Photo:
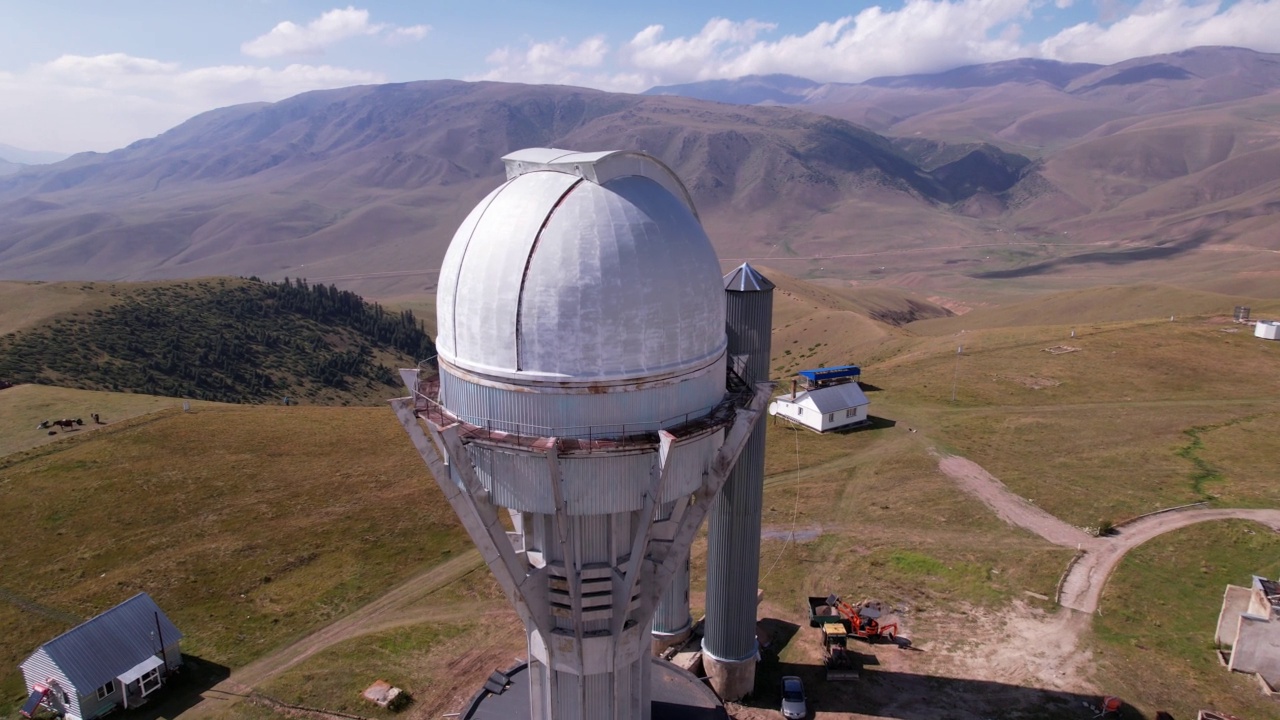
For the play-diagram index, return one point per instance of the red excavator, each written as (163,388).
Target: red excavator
(863,620)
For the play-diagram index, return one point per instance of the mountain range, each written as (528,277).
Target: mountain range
(1018,175)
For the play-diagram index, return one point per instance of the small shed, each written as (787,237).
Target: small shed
(1267,330)
(826,408)
(1249,630)
(115,660)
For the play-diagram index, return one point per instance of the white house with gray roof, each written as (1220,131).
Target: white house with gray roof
(116,659)
(823,408)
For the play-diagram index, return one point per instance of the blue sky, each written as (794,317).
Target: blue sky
(88,75)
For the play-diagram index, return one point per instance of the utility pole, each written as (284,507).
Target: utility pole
(956,375)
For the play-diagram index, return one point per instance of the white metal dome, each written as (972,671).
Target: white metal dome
(581,268)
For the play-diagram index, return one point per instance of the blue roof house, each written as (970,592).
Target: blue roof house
(116,660)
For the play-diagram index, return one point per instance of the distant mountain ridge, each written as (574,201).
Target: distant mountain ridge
(1147,169)
(343,181)
(20,156)
(1033,103)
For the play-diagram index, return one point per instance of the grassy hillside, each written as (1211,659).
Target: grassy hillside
(224,340)
(24,304)
(249,526)
(1097,305)
(254,524)
(1155,632)
(24,407)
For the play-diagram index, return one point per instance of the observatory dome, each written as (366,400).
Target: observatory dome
(582,267)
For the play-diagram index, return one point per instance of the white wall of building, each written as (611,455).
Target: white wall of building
(806,413)
(1267,330)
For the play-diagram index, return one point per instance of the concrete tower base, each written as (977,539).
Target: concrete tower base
(731,679)
(662,641)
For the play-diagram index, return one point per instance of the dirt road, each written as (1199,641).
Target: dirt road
(1009,507)
(1084,581)
(1083,585)
(394,609)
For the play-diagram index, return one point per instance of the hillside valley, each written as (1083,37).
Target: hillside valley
(227,340)
(1159,168)
(304,551)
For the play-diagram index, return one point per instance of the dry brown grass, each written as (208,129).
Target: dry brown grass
(249,525)
(24,407)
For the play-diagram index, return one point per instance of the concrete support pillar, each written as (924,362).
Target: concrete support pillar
(733,540)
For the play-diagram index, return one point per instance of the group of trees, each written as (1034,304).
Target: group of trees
(231,341)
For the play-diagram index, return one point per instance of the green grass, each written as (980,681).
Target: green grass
(250,526)
(412,658)
(893,527)
(1154,637)
(228,340)
(1101,432)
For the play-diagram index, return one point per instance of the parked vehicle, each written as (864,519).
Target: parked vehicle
(793,704)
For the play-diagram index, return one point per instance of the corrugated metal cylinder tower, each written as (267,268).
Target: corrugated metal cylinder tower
(733,535)
(583,388)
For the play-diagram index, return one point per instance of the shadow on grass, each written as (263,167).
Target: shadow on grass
(182,692)
(905,696)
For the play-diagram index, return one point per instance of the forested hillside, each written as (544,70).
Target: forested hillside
(226,340)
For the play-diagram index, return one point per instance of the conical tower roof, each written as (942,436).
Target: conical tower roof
(745,278)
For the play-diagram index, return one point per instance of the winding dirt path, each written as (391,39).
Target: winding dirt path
(1010,507)
(397,608)
(1082,586)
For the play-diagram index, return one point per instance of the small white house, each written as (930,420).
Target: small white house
(1267,330)
(113,661)
(824,408)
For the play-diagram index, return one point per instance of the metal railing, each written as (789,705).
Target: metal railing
(606,436)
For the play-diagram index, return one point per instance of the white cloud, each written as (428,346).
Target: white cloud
(408,34)
(288,38)
(559,63)
(1162,26)
(921,35)
(103,102)
(918,36)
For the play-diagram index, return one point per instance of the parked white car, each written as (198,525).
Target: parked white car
(793,705)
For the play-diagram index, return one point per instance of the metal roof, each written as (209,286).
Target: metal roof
(557,278)
(598,167)
(112,643)
(831,373)
(745,278)
(833,397)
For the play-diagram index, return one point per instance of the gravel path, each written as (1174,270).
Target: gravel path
(1085,579)
(394,609)
(1082,588)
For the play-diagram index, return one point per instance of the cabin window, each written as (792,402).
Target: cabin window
(149,682)
(106,690)
(851,412)
(799,411)
(831,417)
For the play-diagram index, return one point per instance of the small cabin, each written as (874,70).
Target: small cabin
(1267,330)
(1249,630)
(116,660)
(830,399)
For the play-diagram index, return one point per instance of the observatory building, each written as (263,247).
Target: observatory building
(586,387)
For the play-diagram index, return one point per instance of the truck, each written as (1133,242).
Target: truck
(839,661)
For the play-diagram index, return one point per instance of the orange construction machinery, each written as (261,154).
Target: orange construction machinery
(861,620)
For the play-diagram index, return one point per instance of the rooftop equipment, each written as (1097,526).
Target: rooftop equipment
(821,377)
